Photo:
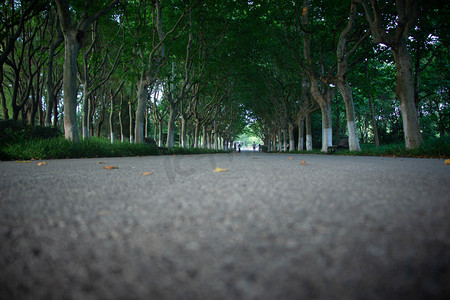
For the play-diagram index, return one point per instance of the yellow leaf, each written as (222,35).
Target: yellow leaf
(220,170)
(147,173)
(291,158)
(23,161)
(42,163)
(110,167)
(303,162)
(447,161)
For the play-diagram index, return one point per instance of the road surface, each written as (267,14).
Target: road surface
(268,226)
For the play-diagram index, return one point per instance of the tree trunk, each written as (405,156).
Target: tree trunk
(111,127)
(120,118)
(55,114)
(308,131)
(130,111)
(196,133)
(183,139)
(327,133)
(300,146)
(140,111)
(71,49)
(49,81)
(291,137)
(171,125)
(405,94)
(160,133)
(205,143)
(338,119)
(353,140)
(374,122)
(85,112)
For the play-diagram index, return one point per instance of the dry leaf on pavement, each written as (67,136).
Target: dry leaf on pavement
(220,170)
(110,167)
(42,163)
(303,162)
(147,173)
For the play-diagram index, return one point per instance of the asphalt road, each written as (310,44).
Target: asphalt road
(270,227)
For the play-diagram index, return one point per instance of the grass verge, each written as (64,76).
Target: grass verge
(57,148)
(431,148)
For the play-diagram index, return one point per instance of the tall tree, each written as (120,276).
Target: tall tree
(392,29)
(73,41)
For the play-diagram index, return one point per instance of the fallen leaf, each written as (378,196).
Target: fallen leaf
(220,170)
(101,163)
(110,167)
(147,173)
(291,158)
(447,161)
(42,163)
(23,161)
(303,162)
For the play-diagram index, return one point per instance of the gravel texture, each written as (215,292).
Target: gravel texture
(270,227)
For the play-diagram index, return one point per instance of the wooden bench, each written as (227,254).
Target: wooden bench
(343,144)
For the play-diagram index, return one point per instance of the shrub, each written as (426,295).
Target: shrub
(16,132)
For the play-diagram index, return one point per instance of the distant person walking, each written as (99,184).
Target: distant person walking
(254,146)
(239,147)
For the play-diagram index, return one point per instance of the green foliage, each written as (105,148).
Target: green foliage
(16,132)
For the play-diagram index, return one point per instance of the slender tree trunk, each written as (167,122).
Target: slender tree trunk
(85,111)
(130,110)
(140,111)
(405,94)
(120,118)
(55,114)
(205,142)
(300,146)
(146,123)
(160,133)
(111,127)
(374,122)
(155,130)
(49,81)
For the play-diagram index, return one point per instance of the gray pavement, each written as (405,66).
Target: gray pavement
(269,227)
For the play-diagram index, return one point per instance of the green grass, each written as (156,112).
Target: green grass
(431,148)
(57,148)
